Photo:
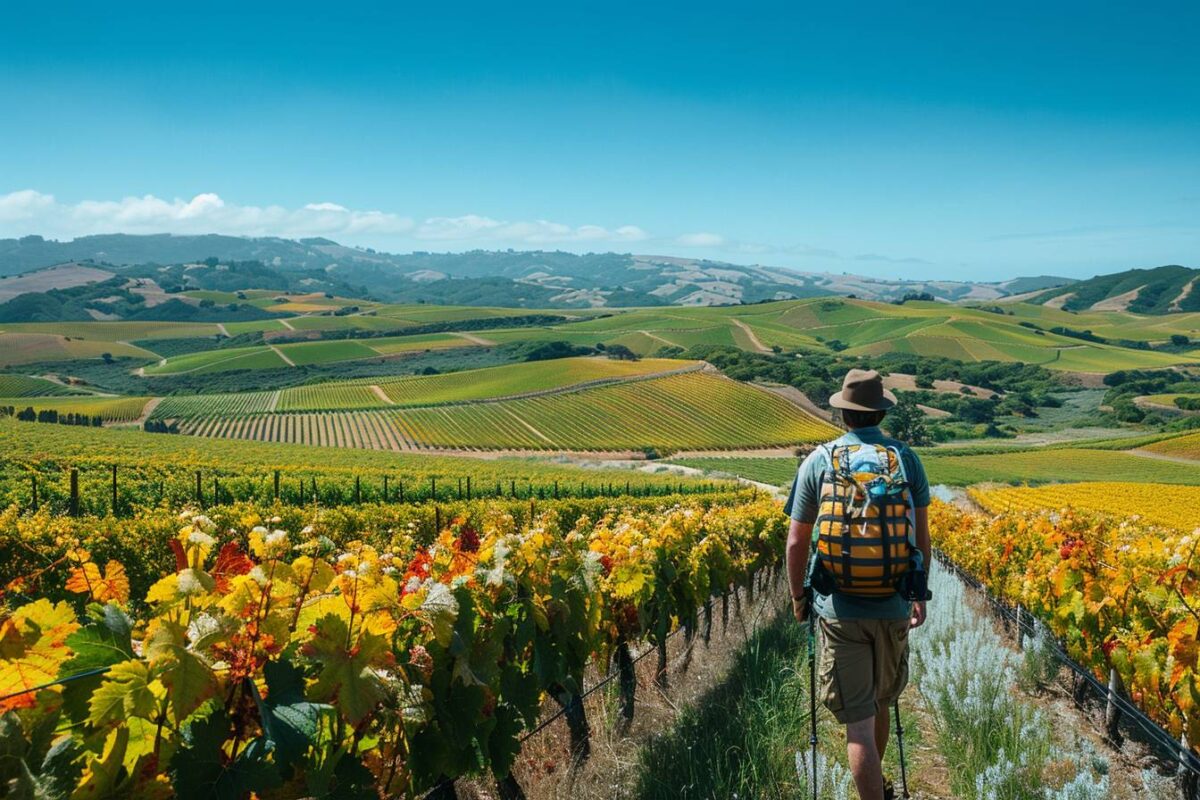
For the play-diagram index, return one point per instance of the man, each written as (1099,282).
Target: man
(863,639)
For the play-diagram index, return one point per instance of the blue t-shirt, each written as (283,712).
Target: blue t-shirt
(805,500)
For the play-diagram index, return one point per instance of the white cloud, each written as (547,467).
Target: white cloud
(29,211)
(701,239)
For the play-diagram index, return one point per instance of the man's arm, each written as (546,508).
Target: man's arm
(926,548)
(798,542)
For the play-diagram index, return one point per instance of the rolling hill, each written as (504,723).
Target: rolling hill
(525,279)
(1162,290)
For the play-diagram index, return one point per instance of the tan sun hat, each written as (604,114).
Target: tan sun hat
(862,390)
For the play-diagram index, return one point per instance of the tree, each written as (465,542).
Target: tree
(620,352)
(906,422)
(1179,340)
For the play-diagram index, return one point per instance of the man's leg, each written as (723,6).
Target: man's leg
(864,759)
(883,719)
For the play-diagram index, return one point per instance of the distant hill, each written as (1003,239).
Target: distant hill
(1161,290)
(530,279)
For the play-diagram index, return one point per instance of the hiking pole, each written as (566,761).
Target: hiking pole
(812,694)
(900,747)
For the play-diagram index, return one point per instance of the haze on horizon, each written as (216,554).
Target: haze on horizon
(935,142)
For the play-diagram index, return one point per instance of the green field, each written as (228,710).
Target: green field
(329,397)
(223,360)
(207,405)
(1177,447)
(305,353)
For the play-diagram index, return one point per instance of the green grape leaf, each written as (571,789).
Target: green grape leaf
(290,722)
(124,693)
(200,769)
(104,641)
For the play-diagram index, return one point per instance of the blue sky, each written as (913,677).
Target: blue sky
(941,141)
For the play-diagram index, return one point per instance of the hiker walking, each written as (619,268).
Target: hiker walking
(867,497)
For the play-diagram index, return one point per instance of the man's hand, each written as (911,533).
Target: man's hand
(800,608)
(918,614)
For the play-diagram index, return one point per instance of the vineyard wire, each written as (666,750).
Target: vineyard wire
(1185,758)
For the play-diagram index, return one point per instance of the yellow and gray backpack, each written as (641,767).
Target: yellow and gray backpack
(865,526)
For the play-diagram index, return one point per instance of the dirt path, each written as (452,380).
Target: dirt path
(147,410)
(470,337)
(221,327)
(658,338)
(279,353)
(1191,462)
(382,395)
(286,324)
(752,336)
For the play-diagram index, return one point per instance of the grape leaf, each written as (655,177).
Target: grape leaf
(231,561)
(201,770)
(289,721)
(186,675)
(125,692)
(346,676)
(32,649)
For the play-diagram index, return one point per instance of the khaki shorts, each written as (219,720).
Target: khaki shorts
(864,665)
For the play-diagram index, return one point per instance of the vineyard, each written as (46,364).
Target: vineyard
(1119,593)
(25,386)
(677,412)
(1178,447)
(298,655)
(110,409)
(1154,503)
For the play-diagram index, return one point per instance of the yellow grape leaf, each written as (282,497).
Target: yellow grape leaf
(100,775)
(125,693)
(112,585)
(33,648)
(187,676)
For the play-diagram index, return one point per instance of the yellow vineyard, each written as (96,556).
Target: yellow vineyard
(1157,503)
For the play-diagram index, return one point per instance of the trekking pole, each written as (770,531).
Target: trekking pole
(812,694)
(900,747)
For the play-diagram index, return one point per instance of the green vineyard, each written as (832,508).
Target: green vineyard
(687,411)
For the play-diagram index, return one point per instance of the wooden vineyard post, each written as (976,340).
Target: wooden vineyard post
(468,487)
(33,481)
(357,490)
(707,622)
(199,492)
(1020,630)
(626,679)
(724,612)
(507,788)
(577,723)
(400,492)
(302,491)
(626,487)
(385,488)
(276,486)
(216,491)
(74,492)
(437,520)
(689,640)
(660,669)
(114,490)
(556,490)
(432,488)
(512,488)
(1112,714)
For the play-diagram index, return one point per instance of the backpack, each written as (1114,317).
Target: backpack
(865,526)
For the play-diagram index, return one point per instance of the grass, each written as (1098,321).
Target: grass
(224,360)
(775,471)
(31,348)
(1055,466)
(305,353)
